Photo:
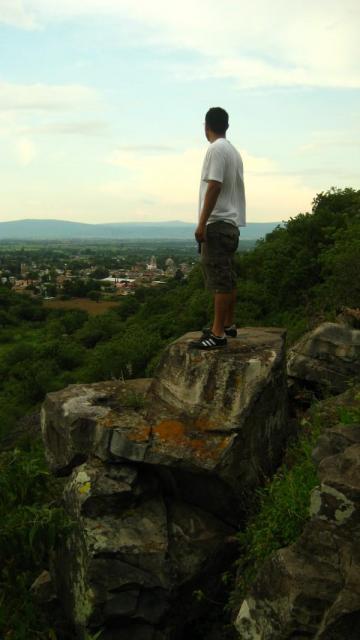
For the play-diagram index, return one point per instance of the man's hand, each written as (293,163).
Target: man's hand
(211,196)
(200,232)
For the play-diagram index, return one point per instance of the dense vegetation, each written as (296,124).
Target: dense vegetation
(31,522)
(281,507)
(299,274)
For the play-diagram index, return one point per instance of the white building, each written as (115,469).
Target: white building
(152,266)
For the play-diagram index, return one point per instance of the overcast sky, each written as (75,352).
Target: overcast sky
(102,104)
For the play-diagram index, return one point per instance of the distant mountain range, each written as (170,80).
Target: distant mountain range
(39,229)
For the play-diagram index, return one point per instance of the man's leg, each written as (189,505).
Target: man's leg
(218,259)
(223,302)
(229,318)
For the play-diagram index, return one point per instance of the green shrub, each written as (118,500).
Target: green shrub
(349,415)
(282,508)
(134,400)
(282,505)
(31,524)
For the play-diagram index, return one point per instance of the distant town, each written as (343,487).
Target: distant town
(53,260)
(96,274)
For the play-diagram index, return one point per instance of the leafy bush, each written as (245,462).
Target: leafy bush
(307,266)
(98,328)
(122,357)
(349,415)
(31,524)
(340,269)
(282,505)
(282,508)
(128,307)
(73,319)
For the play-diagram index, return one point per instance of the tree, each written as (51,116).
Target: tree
(100,272)
(94,295)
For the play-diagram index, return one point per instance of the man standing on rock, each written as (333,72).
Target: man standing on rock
(221,213)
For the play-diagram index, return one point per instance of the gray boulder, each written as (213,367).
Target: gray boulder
(312,588)
(212,423)
(327,358)
(157,483)
(129,560)
(74,420)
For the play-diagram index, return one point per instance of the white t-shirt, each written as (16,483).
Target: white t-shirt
(224,164)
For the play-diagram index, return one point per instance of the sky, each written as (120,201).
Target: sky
(102,104)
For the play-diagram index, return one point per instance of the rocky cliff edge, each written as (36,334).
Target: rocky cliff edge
(158,474)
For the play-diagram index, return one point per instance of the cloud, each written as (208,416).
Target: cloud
(143,148)
(336,172)
(251,73)
(168,179)
(46,97)
(7,122)
(153,187)
(13,13)
(25,151)
(257,43)
(165,186)
(321,140)
(90,128)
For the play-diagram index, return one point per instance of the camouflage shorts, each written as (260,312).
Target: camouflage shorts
(217,256)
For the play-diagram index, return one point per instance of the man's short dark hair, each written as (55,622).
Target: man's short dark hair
(217,119)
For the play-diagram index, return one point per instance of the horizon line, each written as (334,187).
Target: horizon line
(133,222)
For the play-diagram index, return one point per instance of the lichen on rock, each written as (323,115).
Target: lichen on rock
(158,490)
(311,589)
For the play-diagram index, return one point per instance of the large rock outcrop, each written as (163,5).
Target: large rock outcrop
(327,358)
(312,588)
(159,472)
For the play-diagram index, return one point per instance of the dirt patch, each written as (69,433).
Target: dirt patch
(91,306)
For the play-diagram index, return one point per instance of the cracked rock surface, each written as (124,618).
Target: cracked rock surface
(327,358)
(311,589)
(158,474)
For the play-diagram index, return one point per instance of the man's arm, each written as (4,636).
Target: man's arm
(211,196)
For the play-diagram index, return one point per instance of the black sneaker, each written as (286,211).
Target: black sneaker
(207,342)
(229,331)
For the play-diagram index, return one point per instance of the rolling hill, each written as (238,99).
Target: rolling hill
(42,229)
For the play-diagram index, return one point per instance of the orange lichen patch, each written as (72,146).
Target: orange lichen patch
(179,438)
(170,430)
(203,448)
(129,421)
(139,434)
(110,420)
(204,424)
